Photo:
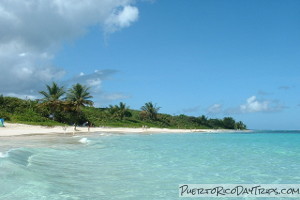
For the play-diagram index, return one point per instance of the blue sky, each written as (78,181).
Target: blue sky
(212,57)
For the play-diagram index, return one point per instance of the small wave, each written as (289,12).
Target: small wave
(105,134)
(6,154)
(3,155)
(20,156)
(84,141)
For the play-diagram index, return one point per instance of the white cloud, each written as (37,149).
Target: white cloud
(93,80)
(22,54)
(32,97)
(113,96)
(121,18)
(32,31)
(106,98)
(253,105)
(215,109)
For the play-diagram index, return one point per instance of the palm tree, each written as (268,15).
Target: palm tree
(53,92)
(1,101)
(119,111)
(203,120)
(52,97)
(240,126)
(80,96)
(151,110)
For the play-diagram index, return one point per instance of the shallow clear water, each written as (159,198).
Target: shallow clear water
(131,166)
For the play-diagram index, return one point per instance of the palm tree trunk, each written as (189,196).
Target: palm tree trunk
(77,118)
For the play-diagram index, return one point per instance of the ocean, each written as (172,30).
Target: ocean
(149,166)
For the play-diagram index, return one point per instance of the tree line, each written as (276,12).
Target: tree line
(74,106)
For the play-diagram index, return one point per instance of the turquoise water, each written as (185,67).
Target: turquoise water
(131,166)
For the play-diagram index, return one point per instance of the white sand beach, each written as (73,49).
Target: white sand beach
(12,129)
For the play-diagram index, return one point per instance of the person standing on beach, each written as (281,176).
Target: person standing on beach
(2,122)
(89,125)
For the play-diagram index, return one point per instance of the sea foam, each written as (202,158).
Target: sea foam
(6,154)
(84,141)
(3,155)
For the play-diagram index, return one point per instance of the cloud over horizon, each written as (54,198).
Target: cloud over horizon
(93,80)
(253,105)
(214,109)
(32,31)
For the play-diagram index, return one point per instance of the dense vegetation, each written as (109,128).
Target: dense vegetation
(75,107)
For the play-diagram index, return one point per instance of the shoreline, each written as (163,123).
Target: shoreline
(14,129)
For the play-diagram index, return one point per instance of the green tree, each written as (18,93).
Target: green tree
(120,111)
(79,96)
(203,120)
(150,110)
(1,101)
(52,98)
(215,123)
(53,92)
(229,123)
(240,125)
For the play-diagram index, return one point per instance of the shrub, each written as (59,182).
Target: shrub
(5,115)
